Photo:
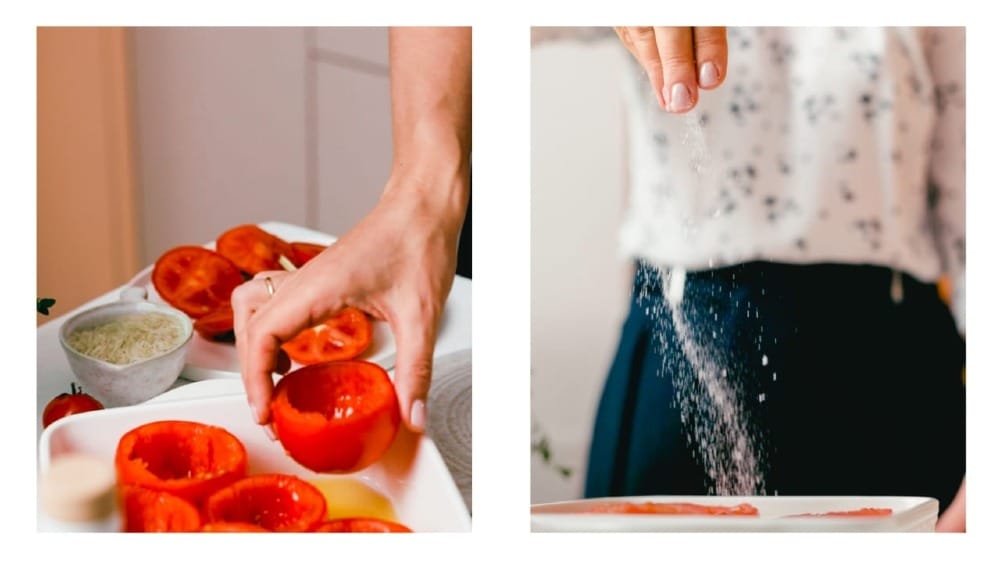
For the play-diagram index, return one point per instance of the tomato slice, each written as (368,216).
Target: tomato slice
(676,508)
(188,459)
(305,251)
(146,510)
(336,417)
(276,502)
(853,513)
(217,325)
(195,280)
(367,525)
(342,337)
(253,249)
(232,527)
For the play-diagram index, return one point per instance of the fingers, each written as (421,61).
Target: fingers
(641,42)
(678,61)
(675,48)
(257,360)
(712,53)
(414,356)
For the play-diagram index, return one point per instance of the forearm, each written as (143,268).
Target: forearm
(431,89)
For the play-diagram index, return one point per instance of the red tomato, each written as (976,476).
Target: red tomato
(859,512)
(188,459)
(253,249)
(217,325)
(336,417)
(342,337)
(361,525)
(305,251)
(677,508)
(66,404)
(146,510)
(195,280)
(279,503)
(232,527)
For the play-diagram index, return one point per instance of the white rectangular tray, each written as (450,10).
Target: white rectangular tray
(910,514)
(412,474)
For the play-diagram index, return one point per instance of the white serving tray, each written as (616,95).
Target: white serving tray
(412,474)
(910,514)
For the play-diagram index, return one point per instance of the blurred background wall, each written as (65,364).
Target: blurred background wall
(150,138)
(579,286)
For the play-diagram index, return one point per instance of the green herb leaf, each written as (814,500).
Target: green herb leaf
(44,303)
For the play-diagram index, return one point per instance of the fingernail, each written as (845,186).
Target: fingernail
(270,432)
(680,98)
(258,414)
(418,415)
(708,76)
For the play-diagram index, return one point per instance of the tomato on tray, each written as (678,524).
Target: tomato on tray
(336,417)
(305,251)
(66,404)
(365,525)
(276,502)
(675,508)
(253,249)
(188,459)
(232,527)
(862,512)
(146,510)
(344,336)
(195,279)
(217,325)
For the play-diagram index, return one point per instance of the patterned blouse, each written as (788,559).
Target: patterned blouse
(840,145)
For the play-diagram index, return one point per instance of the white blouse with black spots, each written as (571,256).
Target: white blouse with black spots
(823,145)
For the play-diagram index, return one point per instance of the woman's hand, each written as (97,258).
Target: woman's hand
(953,519)
(397,265)
(678,60)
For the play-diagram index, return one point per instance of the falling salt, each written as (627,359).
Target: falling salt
(761,397)
(715,418)
(763,360)
(774,376)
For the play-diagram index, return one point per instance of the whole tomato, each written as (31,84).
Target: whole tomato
(69,403)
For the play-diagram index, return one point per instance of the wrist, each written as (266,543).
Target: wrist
(432,169)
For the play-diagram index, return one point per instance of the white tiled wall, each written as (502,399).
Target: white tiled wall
(240,125)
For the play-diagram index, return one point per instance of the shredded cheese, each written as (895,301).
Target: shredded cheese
(128,339)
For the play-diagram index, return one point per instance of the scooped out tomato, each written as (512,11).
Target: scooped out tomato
(364,525)
(232,527)
(217,325)
(305,251)
(336,417)
(344,336)
(862,512)
(676,508)
(253,249)
(146,510)
(275,502)
(195,280)
(188,459)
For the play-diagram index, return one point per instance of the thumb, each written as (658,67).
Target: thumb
(414,356)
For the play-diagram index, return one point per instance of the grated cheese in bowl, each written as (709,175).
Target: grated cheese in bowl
(128,339)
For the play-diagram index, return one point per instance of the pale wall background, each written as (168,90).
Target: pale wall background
(216,127)
(579,286)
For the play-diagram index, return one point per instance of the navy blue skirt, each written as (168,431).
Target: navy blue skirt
(838,388)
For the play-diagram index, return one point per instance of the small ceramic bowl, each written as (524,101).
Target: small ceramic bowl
(121,385)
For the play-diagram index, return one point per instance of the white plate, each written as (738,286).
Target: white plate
(213,360)
(910,514)
(411,474)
